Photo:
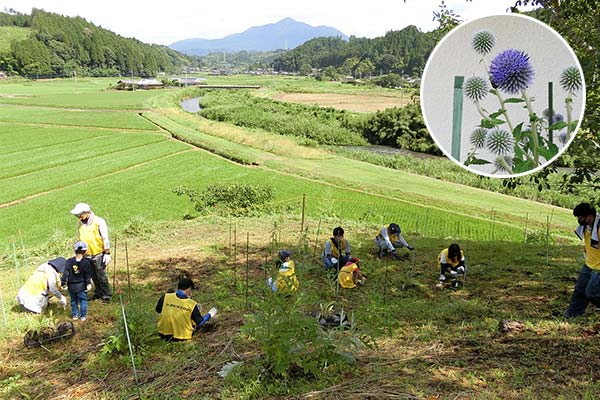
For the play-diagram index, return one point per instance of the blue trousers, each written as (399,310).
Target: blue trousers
(79,304)
(587,290)
(329,265)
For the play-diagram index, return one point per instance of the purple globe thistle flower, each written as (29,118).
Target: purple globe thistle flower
(570,79)
(483,42)
(562,137)
(556,118)
(499,141)
(478,138)
(476,88)
(511,71)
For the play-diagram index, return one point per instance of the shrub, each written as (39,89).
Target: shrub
(234,199)
(292,342)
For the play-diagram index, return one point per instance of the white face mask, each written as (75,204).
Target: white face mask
(285,266)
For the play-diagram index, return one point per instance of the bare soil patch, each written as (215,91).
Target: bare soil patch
(350,102)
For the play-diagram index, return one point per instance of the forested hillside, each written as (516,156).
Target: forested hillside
(60,45)
(403,51)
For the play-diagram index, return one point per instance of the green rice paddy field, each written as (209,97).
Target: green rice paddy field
(69,141)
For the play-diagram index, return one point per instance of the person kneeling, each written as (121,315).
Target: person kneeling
(350,275)
(452,264)
(180,316)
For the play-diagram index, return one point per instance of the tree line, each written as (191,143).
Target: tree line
(401,52)
(60,45)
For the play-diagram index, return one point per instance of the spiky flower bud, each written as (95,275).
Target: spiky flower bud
(499,141)
(511,71)
(483,42)
(562,137)
(570,79)
(503,164)
(478,138)
(476,88)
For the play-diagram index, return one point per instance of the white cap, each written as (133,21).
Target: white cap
(81,208)
(334,260)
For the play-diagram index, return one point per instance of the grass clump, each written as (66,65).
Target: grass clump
(313,124)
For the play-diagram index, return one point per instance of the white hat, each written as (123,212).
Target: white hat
(81,208)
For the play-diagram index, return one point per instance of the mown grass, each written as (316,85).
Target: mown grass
(444,169)
(430,343)
(92,118)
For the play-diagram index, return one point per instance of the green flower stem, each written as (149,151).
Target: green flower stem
(499,96)
(505,165)
(534,133)
(501,100)
(481,112)
(569,107)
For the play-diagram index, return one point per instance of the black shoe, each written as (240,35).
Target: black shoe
(95,297)
(106,300)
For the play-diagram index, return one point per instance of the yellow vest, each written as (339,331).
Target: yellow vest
(394,237)
(176,317)
(592,255)
(452,263)
(286,278)
(334,251)
(37,283)
(345,276)
(91,235)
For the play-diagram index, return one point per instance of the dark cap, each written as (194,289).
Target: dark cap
(283,254)
(59,264)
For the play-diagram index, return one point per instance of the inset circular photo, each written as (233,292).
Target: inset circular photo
(503,96)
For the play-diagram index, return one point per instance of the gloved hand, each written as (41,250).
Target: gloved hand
(63,301)
(88,287)
(106,259)
(394,255)
(64,287)
(410,248)
(212,312)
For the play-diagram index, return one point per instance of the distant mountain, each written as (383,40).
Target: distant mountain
(287,33)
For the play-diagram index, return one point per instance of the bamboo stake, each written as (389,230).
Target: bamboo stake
(526,223)
(115,265)
(547,240)
(303,208)
(234,254)
(3,308)
(17,275)
(247,264)
(24,252)
(317,238)
(137,382)
(128,277)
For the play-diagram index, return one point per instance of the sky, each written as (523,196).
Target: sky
(168,21)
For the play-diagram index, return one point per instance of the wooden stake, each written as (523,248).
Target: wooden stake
(234,253)
(115,264)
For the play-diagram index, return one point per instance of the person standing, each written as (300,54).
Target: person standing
(77,280)
(41,285)
(94,231)
(587,287)
(389,238)
(337,250)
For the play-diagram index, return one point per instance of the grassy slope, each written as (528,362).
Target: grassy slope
(430,343)
(10,33)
